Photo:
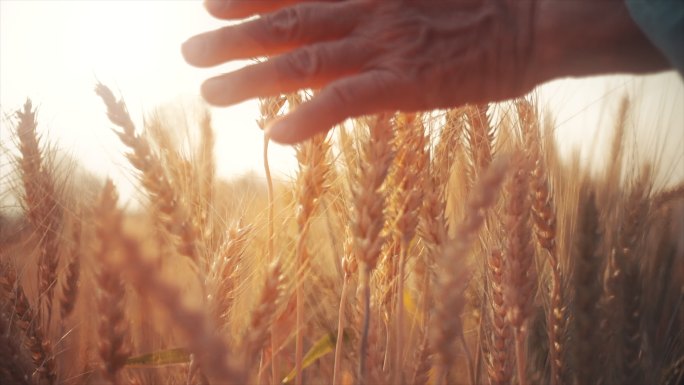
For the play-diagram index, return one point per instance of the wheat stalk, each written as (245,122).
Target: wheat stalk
(173,214)
(40,204)
(367,219)
(350,268)
(447,324)
(499,365)
(587,292)
(544,224)
(314,168)
(405,202)
(608,311)
(519,270)
(630,244)
(113,326)
(210,351)
(207,168)
(433,227)
(36,340)
(263,314)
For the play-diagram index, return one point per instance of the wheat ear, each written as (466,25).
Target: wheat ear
(433,227)
(113,326)
(174,215)
(410,161)
(36,342)
(519,271)
(498,364)
(368,218)
(210,351)
(312,156)
(42,209)
(448,147)
(263,314)
(222,273)
(447,324)
(544,221)
(480,138)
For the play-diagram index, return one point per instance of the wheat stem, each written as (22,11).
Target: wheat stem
(337,368)
(271,250)
(364,289)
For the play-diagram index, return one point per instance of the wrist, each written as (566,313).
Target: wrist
(582,38)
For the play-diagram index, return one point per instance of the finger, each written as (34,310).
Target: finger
(272,34)
(308,67)
(239,9)
(350,97)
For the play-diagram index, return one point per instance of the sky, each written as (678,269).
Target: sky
(55,51)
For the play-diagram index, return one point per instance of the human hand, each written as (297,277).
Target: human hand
(367,56)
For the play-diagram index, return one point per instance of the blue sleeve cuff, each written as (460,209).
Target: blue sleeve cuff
(663,22)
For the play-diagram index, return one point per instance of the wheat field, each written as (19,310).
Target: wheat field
(453,247)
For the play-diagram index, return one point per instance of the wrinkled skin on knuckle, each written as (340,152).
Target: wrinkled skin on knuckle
(340,96)
(305,63)
(284,24)
(351,98)
(389,89)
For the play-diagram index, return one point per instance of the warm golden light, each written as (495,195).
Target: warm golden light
(55,51)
